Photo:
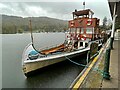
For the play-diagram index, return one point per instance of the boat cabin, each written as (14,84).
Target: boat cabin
(83,27)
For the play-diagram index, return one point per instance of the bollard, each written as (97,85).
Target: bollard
(106,74)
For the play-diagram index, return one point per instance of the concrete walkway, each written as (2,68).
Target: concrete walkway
(114,61)
(95,79)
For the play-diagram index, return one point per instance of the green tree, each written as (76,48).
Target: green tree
(105,22)
(117,24)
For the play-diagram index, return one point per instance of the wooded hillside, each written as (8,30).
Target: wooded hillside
(15,24)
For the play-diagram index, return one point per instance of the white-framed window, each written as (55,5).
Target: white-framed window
(82,30)
(78,30)
(89,30)
(73,30)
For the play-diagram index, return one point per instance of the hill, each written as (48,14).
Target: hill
(15,24)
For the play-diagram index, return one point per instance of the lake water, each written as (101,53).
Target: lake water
(59,75)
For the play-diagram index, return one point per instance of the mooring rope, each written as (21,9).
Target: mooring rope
(86,66)
(76,62)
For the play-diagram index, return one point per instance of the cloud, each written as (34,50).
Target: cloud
(60,10)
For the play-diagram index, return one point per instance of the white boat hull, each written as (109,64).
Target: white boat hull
(29,66)
(32,66)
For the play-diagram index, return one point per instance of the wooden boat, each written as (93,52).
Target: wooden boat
(83,30)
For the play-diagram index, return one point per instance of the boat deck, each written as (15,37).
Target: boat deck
(48,51)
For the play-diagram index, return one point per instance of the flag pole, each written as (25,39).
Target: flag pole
(84,5)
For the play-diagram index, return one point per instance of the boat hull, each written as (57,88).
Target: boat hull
(33,66)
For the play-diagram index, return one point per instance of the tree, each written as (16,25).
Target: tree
(109,26)
(105,22)
(117,24)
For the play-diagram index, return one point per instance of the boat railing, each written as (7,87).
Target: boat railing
(26,51)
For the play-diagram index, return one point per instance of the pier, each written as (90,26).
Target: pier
(93,76)
(103,70)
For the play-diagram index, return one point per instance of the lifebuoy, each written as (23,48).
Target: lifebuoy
(69,36)
(96,36)
(78,36)
(72,23)
(89,22)
(83,37)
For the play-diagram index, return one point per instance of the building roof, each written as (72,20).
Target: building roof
(82,12)
(111,5)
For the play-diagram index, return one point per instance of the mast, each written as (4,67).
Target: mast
(30,26)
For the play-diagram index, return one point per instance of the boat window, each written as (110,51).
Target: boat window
(78,30)
(82,30)
(89,30)
(67,31)
(73,30)
(76,44)
(81,44)
(86,44)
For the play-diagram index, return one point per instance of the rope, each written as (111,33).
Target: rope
(83,65)
(76,62)
(101,84)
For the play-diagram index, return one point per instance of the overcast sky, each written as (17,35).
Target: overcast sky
(60,9)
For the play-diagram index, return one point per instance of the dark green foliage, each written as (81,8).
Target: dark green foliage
(14,24)
(105,22)
(117,24)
